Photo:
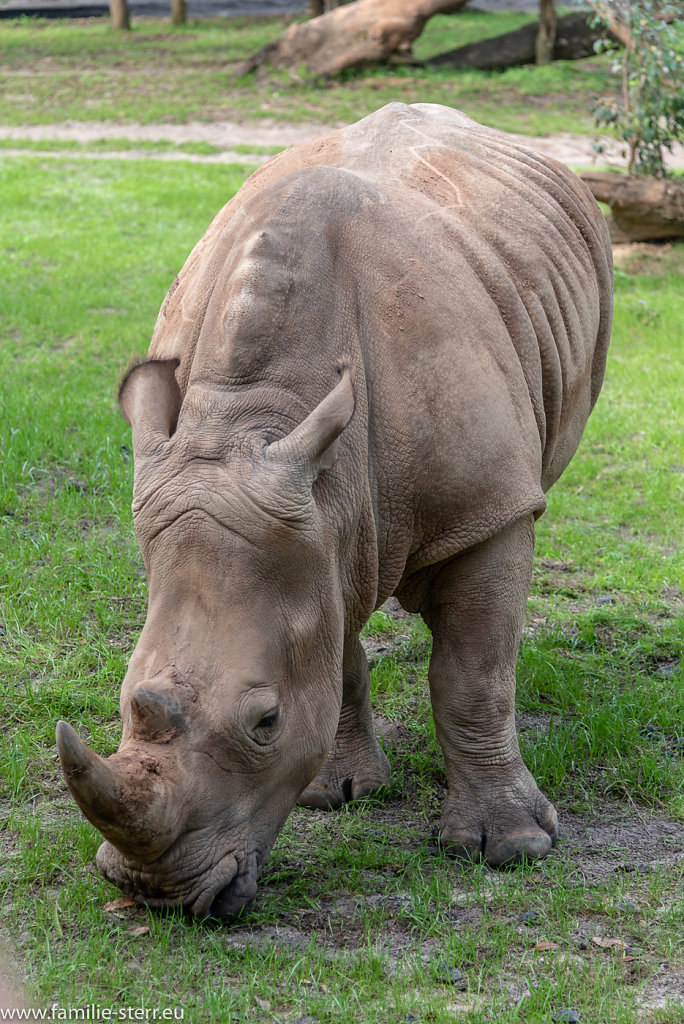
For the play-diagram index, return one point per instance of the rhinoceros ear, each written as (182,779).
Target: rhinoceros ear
(150,399)
(313,445)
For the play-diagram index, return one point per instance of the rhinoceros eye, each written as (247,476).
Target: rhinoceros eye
(261,714)
(269,720)
(265,729)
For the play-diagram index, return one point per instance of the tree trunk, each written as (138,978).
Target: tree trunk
(615,14)
(574,40)
(643,209)
(364,32)
(317,7)
(546,36)
(178,12)
(118,14)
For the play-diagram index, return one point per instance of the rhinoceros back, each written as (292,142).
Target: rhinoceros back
(534,236)
(467,202)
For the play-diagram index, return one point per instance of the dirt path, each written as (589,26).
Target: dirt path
(576,150)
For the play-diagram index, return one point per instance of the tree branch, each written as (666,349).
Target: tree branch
(615,14)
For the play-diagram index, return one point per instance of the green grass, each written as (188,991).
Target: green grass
(356,910)
(124,145)
(51,72)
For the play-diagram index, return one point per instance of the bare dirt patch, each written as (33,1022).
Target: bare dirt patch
(223,134)
(577,150)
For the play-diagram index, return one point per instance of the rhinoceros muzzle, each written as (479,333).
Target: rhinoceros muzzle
(236,897)
(221,891)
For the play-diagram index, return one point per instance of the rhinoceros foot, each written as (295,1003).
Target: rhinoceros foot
(355,767)
(500,824)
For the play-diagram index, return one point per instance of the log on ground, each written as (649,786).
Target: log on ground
(354,35)
(574,40)
(643,209)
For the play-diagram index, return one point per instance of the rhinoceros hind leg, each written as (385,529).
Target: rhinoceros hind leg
(356,766)
(476,610)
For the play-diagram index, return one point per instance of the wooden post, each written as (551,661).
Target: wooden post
(546,36)
(118,15)
(178,13)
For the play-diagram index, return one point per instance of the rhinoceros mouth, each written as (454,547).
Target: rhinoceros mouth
(234,898)
(222,890)
(234,895)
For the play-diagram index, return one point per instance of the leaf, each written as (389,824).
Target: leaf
(123,901)
(542,946)
(605,943)
(138,929)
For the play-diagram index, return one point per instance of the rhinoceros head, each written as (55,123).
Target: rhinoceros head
(233,693)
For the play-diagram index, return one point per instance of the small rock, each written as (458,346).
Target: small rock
(528,917)
(604,599)
(460,899)
(566,1016)
(76,486)
(668,669)
(631,868)
(450,976)
(651,732)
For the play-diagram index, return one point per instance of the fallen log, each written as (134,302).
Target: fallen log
(574,40)
(356,34)
(643,209)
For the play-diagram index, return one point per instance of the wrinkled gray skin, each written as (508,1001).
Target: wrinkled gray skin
(374,364)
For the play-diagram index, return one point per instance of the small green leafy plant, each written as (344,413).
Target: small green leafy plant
(648,111)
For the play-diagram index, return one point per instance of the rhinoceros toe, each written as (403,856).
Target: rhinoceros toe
(353,770)
(503,825)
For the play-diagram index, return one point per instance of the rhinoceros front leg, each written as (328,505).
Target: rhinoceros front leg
(356,765)
(476,610)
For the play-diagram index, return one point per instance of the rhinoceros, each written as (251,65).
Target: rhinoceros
(368,373)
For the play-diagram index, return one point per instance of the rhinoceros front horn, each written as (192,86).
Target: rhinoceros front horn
(104,791)
(92,782)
